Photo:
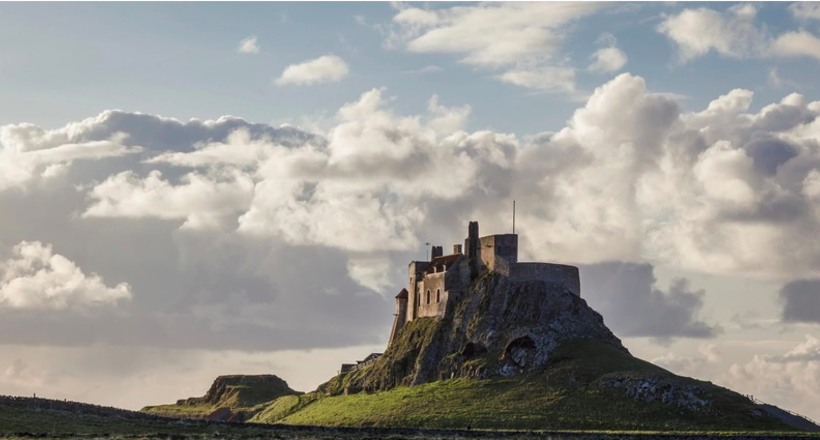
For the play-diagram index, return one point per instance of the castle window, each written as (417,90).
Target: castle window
(438,295)
(428,297)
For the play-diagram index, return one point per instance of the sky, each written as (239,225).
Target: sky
(190,189)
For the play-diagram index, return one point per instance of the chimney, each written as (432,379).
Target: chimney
(471,246)
(437,252)
(456,248)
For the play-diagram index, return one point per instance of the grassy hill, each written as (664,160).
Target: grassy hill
(243,395)
(590,385)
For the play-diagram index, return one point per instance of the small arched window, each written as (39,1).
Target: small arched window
(428,297)
(438,296)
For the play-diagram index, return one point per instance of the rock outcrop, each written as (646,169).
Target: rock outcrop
(230,398)
(500,327)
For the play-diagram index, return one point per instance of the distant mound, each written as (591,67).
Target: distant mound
(230,398)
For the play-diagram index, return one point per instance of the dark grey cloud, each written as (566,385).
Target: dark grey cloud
(631,303)
(191,289)
(801,301)
(152,132)
(770,152)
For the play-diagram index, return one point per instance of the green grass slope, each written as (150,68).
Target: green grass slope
(575,392)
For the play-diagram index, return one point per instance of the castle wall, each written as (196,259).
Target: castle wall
(499,252)
(559,274)
(432,283)
(399,319)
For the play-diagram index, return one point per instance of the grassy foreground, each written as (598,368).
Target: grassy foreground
(44,420)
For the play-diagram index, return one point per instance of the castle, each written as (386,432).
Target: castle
(435,286)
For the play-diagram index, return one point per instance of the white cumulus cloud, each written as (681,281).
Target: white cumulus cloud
(607,60)
(327,68)
(735,33)
(34,277)
(521,41)
(201,200)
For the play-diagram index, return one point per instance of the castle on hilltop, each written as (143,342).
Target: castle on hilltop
(435,286)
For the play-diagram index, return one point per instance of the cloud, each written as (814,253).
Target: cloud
(698,31)
(248,46)
(151,132)
(774,78)
(608,58)
(734,33)
(796,44)
(325,69)
(792,378)
(425,69)
(708,355)
(805,10)
(543,78)
(519,40)
(621,291)
(201,200)
(801,301)
(36,278)
(806,352)
(20,166)
(371,176)
(225,227)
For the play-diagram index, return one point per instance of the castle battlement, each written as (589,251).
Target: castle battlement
(434,286)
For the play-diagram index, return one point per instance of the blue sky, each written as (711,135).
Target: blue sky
(671,151)
(61,62)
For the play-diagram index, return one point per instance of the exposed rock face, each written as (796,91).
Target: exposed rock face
(666,390)
(500,327)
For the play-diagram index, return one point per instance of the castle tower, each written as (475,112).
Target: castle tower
(400,317)
(414,277)
(473,248)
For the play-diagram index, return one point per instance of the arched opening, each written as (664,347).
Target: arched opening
(521,351)
(438,296)
(428,296)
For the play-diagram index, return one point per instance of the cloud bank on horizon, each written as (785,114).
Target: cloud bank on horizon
(722,190)
(226,234)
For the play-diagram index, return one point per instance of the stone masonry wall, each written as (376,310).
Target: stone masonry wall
(432,282)
(559,274)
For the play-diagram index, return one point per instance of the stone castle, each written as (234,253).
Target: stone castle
(435,286)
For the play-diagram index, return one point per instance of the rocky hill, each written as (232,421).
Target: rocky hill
(520,355)
(500,329)
(512,355)
(234,398)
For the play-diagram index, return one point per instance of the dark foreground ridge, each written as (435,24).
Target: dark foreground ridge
(22,417)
